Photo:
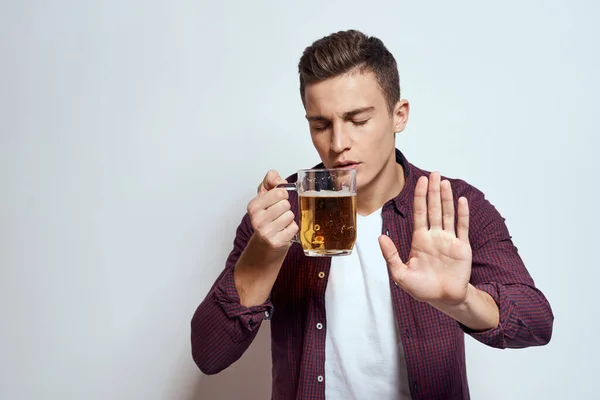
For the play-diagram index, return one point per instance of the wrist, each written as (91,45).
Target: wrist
(256,271)
(263,252)
(460,304)
(470,298)
(478,311)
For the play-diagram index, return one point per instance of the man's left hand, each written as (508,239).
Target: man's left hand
(439,265)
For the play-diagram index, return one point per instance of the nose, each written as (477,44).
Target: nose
(340,141)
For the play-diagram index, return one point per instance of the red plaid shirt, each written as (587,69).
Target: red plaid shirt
(222,329)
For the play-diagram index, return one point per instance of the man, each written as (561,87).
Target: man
(350,327)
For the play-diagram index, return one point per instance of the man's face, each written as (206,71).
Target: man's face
(351,126)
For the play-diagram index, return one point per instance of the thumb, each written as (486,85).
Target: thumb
(270,181)
(392,258)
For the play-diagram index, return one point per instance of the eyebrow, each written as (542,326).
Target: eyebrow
(347,115)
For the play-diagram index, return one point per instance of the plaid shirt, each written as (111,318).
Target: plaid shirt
(222,329)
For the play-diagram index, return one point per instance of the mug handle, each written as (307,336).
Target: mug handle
(291,187)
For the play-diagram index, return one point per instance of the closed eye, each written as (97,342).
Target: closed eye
(360,123)
(320,128)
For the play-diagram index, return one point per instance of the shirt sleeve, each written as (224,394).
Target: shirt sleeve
(526,318)
(222,328)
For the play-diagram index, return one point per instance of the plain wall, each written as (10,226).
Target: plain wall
(134,133)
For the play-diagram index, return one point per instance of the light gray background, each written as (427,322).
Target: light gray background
(133,134)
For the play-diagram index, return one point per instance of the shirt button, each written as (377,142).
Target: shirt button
(320,378)
(321,274)
(319,326)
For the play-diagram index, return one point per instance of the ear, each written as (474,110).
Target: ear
(401,110)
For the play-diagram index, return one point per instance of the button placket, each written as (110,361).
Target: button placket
(322,268)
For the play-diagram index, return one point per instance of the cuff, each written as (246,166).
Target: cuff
(496,337)
(248,318)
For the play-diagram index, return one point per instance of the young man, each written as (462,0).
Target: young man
(433,259)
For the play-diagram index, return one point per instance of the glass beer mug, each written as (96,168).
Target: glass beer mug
(327,204)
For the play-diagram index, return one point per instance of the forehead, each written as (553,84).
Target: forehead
(343,93)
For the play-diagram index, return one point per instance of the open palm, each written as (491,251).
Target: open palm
(439,265)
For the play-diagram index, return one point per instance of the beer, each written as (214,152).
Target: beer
(328,223)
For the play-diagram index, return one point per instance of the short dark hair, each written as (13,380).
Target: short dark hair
(345,51)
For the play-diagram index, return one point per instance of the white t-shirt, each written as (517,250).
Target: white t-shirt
(364,358)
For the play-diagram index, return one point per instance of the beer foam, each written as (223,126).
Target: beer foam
(345,192)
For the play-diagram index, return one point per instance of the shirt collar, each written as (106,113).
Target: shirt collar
(402,201)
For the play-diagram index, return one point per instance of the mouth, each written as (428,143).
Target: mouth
(346,164)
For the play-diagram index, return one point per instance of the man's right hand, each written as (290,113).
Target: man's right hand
(271,215)
(274,228)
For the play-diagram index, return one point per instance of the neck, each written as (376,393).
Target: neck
(385,186)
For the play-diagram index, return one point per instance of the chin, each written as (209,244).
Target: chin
(360,181)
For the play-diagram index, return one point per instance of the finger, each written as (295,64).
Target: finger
(447,206)
(420,204)
(434,202)
(273,196)
(276,210)
(287,234)
(392,258)
(280,232)
(279,224)
(463,219)
(270,181)
(261,203)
